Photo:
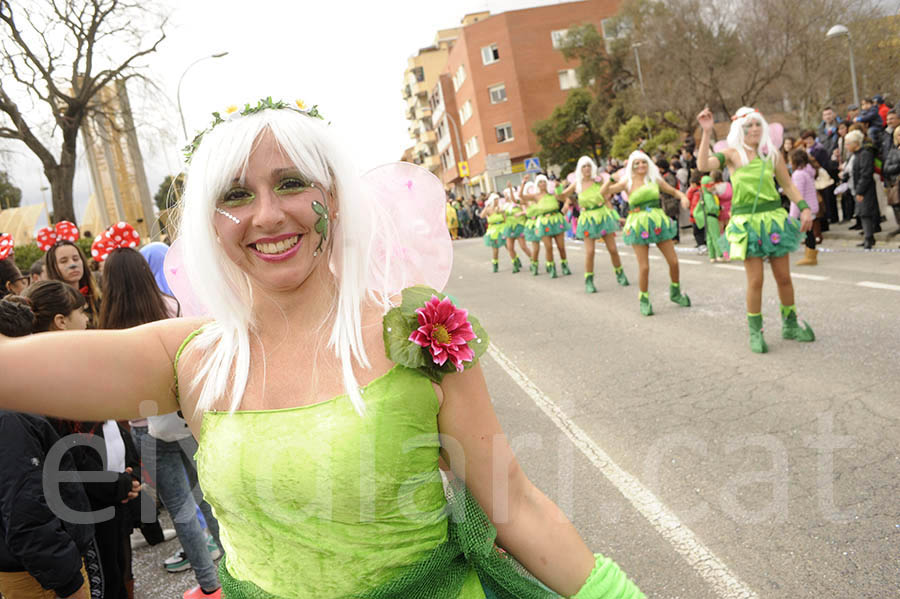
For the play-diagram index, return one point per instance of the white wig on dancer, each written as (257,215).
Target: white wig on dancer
(543,178)
(530,188)
(509,195)
(652,170)
(578,176)
(226,290)
(741,119)
(492,199)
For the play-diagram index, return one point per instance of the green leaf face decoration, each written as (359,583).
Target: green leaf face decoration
(322,223)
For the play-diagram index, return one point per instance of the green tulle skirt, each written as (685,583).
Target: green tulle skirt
(550,224)
(597,223)
(649,226)
(514,227)
(494,237)
(531,235)
(772,233)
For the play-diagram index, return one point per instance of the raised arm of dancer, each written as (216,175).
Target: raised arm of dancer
(609,189)
(529,197)
(93,375)
(567,192)
(529,525)
(793,194)
(685,203)
(706,161)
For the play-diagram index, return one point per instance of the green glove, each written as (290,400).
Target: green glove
(607,581)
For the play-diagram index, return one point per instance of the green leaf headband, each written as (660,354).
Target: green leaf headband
(232,113)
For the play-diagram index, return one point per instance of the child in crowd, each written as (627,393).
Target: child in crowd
(694,194)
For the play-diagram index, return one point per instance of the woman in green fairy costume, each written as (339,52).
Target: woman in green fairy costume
(647,223)
(514,226)
(493,237)
(597,220)
(550,224)
(759,227)
(324,398)
(529,189)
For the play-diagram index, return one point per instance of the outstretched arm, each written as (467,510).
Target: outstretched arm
(530,526)
(94,375)
(674,192)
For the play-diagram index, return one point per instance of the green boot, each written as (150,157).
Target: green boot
(757,343)
(589,283)
(621,279)
(496,265)
(676,296)
(564,264)
(646,308)
(517,265)
(551,268)
(791,330)
(535,268)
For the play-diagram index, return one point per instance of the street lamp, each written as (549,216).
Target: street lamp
(180,79)
(637,60)
(836,31)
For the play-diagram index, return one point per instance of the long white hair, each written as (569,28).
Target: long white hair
(743,117)
(492,199)
(538,179)
(652,170)
(530,188)
(578,176)
(222,156)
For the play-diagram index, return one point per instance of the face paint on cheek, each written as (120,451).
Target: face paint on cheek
(229,216)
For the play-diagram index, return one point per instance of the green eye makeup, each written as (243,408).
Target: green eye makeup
(237,196)
(292,185)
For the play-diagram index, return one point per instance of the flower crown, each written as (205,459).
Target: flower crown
(232,112)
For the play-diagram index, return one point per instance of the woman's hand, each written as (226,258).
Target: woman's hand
(135,487)
(859,199)
(705,119)
(806,220)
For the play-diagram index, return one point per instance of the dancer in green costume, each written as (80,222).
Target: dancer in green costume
(706,215)
(550,224)
(647,223)
(320,449)
(531,216)
(514,226)
(759,228)
(597,220)
(496,220)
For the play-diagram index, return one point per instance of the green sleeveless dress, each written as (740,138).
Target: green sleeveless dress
(493,236)
(759,226)
(550,221)
(514,225)
(597,219)
(646,222)
(531,216)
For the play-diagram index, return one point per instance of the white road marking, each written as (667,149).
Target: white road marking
(800,275)
(686,261)
(730,267)
(725,583)
(876,285)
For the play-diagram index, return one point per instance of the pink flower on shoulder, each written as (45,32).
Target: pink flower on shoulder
(444,329)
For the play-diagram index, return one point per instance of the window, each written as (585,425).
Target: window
(557,37)
(447,159)
(465,113)
(459,77)
(490,54)
(472,146)
(498,93)
(567,79)
(504,132)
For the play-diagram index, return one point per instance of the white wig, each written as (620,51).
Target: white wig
(652,170)
(543,178)
(226,289)
(492,199)
(743,117)
(578,176)
(529,188)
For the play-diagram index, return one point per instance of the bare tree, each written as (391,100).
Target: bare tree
(55,60)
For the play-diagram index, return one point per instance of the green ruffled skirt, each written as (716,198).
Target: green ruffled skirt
(514,227)
(550,224)
(649,225)
(772,233)
(493,237)
(531,235)
(597,223)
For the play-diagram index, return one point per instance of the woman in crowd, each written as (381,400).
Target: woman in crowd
(40,551)
(863,184)
(804,179)
(550,224)
(131,298)
(647,223)
(66,262)
(309,472)
(12,282)
(891,173)
(597,220)
(759,228)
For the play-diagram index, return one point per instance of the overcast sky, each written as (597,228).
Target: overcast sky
(346,56)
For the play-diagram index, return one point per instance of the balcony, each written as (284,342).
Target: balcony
(432,163)
(428,137)
(406,92)
(411,113)
(419,89)
(413,132)
(423,111)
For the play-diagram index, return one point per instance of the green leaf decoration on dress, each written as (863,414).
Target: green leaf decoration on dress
(430,333)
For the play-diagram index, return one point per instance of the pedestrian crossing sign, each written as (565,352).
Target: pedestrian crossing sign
(463,168)
(533,165)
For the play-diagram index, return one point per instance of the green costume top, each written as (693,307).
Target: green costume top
(547,204)
(590,198)
(532,211)
(496,218)
(758,174)
(514,214)
(647,195)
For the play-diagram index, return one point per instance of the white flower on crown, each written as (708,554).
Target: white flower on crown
(232,112)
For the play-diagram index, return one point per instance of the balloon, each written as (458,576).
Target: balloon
(720,145)
(412,200)
(776,133)
(179,283)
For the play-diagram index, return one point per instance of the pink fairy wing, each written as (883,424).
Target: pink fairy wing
(413,233)
(776,133)
(720,145)
(179,283)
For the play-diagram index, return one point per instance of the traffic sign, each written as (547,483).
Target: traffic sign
(533,165)
(463,168)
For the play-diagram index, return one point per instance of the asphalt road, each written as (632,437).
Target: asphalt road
(705,470)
